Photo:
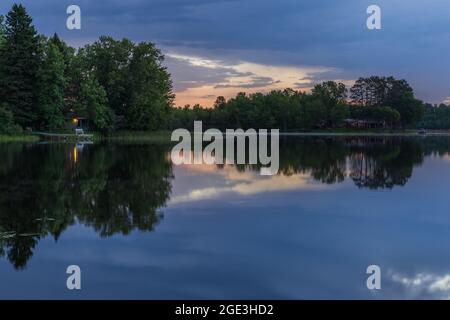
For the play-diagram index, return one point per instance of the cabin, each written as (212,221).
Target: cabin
(74,123)
(364,124)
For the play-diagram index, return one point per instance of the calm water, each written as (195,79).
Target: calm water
(141,228)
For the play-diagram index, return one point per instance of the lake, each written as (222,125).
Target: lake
(142,228)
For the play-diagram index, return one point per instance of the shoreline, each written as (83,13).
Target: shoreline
(18,138)
(164,136)
(364,134)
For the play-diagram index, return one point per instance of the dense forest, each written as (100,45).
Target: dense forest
(44,82)
(379,99)
(122,85)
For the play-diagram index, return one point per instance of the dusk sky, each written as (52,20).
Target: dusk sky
(221,47)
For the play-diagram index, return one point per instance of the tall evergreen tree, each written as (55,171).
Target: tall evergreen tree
(2,31)
(19,66)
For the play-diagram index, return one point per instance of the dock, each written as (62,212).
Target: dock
(64,137)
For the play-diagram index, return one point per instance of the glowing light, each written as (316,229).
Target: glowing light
(75,154)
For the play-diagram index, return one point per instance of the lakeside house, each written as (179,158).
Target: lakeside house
(364,124)
(74,122)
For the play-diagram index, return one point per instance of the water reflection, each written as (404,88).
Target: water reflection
(422,285)
(46,188)
(115,188)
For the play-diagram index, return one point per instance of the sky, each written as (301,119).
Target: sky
(222,47)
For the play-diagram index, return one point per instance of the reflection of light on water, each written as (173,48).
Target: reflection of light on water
(77,149)
(75,154)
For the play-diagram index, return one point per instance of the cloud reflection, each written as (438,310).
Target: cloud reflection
(424,285)
(244,183)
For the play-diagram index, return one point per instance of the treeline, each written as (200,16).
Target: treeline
(121,85)
(44,82)
(380,99)
(435,117)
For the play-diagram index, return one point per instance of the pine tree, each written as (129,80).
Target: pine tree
(2,31)
(19,66)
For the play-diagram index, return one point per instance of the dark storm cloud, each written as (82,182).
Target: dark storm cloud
(190,76)
(414,42)
(311,80)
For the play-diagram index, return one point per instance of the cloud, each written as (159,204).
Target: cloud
(255,82)
(212,77)
(413,43)
(424,285)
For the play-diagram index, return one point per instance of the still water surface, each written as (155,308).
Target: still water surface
(141,228)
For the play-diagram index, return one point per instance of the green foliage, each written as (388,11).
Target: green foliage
(2,31)
(435,117)
(93,104)
(138,86)
(326,107)
(332,96)
(52,83)
(287,110)
(411,110)
(388,91)
(109,60)
(45,81)
(387,114)
(151,90)
(7,125)
(19,66)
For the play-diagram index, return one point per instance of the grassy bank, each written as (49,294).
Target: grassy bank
(353,132)
(18,138)
(138,137)
(164,136)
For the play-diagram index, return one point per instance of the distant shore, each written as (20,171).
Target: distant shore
(164,136)
(367,133)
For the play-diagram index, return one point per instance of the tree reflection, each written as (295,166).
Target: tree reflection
(116,188)
(46,188)
(371,162)
(386,164)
